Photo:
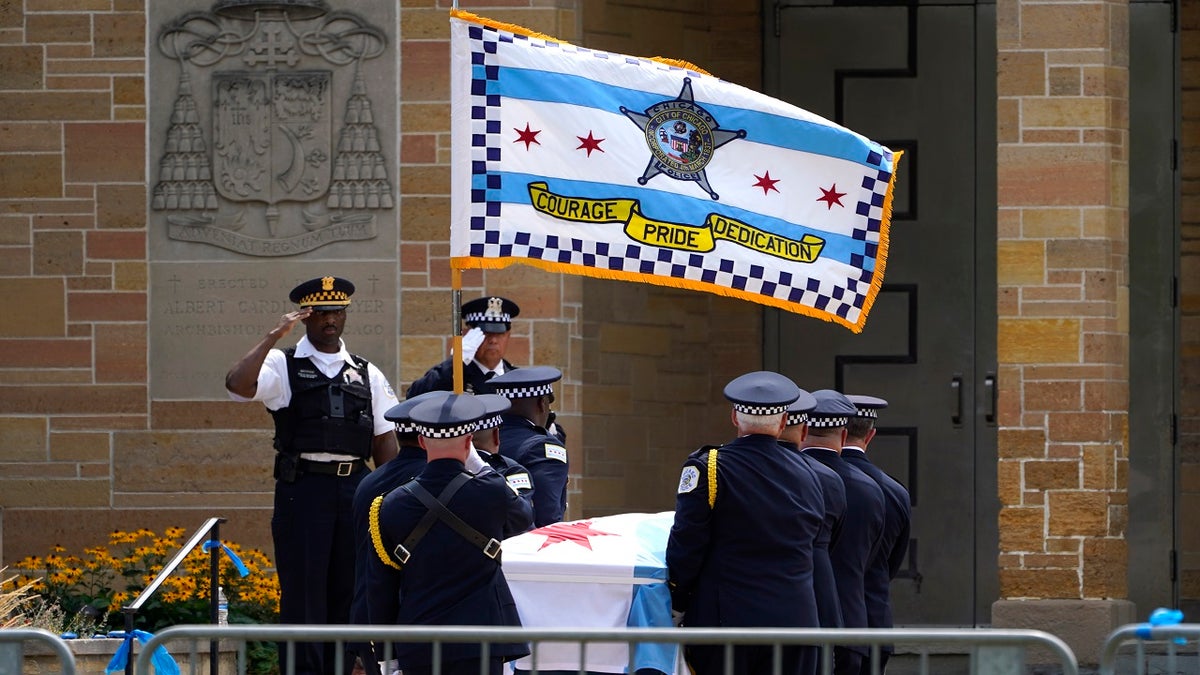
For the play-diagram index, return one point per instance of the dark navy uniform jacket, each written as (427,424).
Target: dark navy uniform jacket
(856,545)
(447,580)
(546,459)
(517,476)
(893,545)
(747,561)
(394,473)
(441,378)
(833,494)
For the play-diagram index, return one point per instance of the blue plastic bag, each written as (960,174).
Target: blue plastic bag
(160,659)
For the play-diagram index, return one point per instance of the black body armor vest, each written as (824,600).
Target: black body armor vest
(326,414)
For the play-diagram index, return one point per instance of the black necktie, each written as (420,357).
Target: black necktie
(489,375)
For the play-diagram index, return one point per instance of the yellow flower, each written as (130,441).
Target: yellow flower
(119,537)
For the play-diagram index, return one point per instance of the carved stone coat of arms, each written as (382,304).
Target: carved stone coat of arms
(272,146)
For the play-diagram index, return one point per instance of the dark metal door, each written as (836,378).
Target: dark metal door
(1153,308)
(908,77)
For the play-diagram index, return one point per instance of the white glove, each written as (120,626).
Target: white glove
(470,344)
(676,617)
(475,463)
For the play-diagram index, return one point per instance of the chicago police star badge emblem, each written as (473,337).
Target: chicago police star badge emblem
(688,479)
(682,137)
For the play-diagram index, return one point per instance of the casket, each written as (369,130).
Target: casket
(606,572)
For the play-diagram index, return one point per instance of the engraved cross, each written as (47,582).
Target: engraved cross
(272,49)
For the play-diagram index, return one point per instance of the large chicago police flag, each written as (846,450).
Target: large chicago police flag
(601,164)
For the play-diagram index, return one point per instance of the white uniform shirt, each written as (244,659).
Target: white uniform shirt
(275,391)
(498,370)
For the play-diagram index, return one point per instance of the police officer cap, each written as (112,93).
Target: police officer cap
(527,382)
(798,411)
(449,416)
(496,406)
(324,294)
(868,406)
(400,412)
(491,314)
(762,393)
(832,409)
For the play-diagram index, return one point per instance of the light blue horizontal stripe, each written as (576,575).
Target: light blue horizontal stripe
(769,129)
(671,207)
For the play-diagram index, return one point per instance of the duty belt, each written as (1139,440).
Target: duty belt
(341,469)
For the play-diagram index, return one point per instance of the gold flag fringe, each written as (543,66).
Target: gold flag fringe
(472,262)
(884,240)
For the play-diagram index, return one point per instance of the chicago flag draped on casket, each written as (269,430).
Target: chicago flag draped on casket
(580,161)
(607,572)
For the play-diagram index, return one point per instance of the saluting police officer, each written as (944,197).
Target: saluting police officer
(833,500)
(860,430)
(525,439)
(485,342)
(437,546)
(740,549)
(862,525)
(328,406)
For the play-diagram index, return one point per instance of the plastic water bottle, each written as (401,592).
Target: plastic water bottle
(222,607)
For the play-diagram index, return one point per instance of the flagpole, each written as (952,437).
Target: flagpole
(456,321)
(455,312)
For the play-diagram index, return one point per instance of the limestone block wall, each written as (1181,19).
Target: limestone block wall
(1063,298)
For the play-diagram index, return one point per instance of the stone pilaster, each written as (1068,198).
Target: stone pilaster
(1063,316)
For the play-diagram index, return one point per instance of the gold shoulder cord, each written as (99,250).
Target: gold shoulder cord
(376,538)
(712,477)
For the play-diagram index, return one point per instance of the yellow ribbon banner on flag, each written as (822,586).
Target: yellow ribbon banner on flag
(681,236)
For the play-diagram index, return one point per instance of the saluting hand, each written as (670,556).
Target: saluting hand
(287,321)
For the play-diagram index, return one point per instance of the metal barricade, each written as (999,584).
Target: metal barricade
(1156,650)
(12,649)
(990,651)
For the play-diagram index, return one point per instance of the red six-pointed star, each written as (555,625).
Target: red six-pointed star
(831,197)
(577,532)
(590,143)
(528,136)
(766,182)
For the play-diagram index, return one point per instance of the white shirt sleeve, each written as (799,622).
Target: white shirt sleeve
(383,398)
(274,390)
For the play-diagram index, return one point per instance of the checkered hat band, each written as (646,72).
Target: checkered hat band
(325,298)
(407,428)
(490,423)
(827,421)
(525,392)
(795,419)
(446,432)
(476,317)
(760,409)
(867,412)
